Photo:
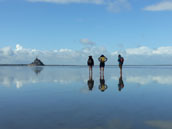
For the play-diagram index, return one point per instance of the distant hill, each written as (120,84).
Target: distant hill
(37,62)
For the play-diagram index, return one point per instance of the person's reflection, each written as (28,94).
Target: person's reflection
(90,81)
(102,86)
(121,83)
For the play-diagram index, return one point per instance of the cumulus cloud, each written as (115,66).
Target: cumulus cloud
(139,51)
(86,41)
(146,55)
(6,51)
(161,6)
(143,50)
(61,56)
(135,56)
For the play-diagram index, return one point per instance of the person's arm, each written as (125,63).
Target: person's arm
(93,62)
(119,60)
(106,58)
(99,59)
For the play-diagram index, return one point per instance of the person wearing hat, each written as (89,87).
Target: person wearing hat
(90,63)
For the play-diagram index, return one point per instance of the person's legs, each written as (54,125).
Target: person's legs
(100,70)
(120,69)
(120,72)
(120,66)
(91,68)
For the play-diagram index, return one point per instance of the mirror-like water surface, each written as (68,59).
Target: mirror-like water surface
(68,98)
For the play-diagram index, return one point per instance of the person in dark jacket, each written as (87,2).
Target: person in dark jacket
(121,61)
(90,64)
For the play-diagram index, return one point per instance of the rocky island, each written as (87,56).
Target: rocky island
(37,62)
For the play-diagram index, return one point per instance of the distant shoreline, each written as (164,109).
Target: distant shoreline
(82,65)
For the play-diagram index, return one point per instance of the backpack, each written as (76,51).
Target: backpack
(121,59)
(102,59)
(90,61)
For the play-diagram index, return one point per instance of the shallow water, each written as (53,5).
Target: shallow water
(65,98)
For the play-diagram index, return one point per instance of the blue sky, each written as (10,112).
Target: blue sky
(114,25)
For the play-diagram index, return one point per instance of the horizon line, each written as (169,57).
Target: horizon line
(87,65)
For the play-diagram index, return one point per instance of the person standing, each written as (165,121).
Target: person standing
(102,59)
(90,63)
(121,61)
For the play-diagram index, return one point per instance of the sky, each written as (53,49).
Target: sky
(68,31)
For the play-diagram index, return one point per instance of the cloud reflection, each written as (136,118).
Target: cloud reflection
(20,76)
(159,124)
(112,124)
(143,80)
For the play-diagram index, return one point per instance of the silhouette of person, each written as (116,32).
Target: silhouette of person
(102,86)
(121,61)
(121,83)
(90,63)
(102,59)
(90,82)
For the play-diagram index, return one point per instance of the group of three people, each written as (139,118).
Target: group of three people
(102,59)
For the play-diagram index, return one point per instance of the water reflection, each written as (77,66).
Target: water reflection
(55,93)
(121,83)
(37,70)
(102,86)
(67,75)
(160,124)
(90,82)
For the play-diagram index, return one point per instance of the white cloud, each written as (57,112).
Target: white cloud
(69,1)
(140,55)
(6,51)
(162,6)
(139,51)
(117,5)
(60,56)
(163,50)
(111,5)
(18,47)
(143,50)
(86,41)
